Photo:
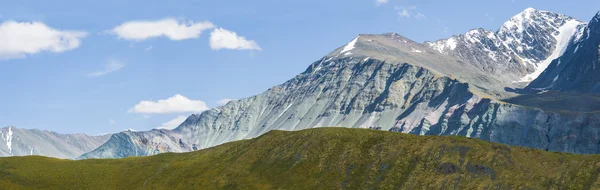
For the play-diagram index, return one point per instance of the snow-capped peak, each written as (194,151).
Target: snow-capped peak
(529,17)
(530,9)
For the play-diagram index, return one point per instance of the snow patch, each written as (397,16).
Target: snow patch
(350,46)
(416,51)
(9,138)
(566,32)
(283,112)
(451,43)
(440,46)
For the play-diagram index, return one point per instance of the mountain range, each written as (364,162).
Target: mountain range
(324,158)
(476,84)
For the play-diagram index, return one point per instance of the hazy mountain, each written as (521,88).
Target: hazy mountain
(22,142)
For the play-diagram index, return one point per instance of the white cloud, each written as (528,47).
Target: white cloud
(381,2)
(224,101)
(419,16)
(404,13)
(111,66)
(408,12)
(225,39)
(174,104)
(18,39)
(173,123)
(112,122)
(168,27)
(491,18)
(149,48)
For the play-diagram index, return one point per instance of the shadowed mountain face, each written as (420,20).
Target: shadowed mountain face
(326,158)
(384,82)
(22,142)
(578,70)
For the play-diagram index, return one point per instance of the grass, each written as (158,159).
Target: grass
(324,158)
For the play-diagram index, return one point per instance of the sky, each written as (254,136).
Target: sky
(100,67)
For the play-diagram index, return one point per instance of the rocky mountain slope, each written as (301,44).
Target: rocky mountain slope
(326,158)
(385,82)
(578,70)
(517,52)
(22,142)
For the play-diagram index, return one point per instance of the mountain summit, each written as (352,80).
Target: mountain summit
(517,52)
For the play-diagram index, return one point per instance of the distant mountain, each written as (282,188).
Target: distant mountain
(327,158)
(22,142)
(578,70)
(385,82)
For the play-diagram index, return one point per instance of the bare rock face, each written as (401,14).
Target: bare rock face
(24,142)
(384,82)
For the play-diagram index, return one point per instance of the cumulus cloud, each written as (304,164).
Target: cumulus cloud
(381,2)
(225,39)
(18,39)
(168,27)
(111,66)
(224,101)
(174,123)
(174,104)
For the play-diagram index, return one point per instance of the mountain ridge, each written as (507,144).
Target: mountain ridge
(385,82)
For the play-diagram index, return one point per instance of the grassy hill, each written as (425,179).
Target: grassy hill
(325,158)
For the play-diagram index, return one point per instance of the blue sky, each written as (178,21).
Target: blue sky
(118,59)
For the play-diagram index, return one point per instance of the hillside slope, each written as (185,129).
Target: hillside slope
(324,158)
